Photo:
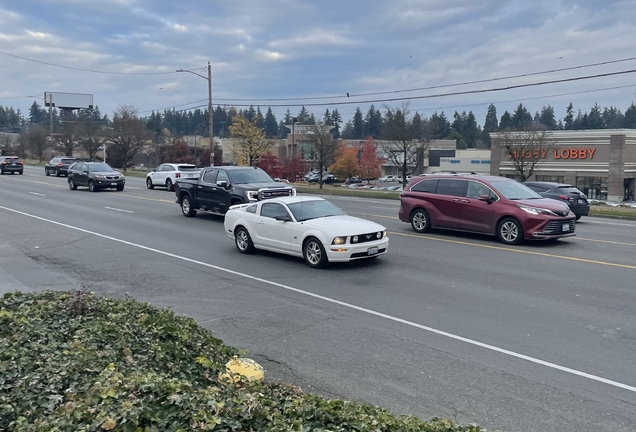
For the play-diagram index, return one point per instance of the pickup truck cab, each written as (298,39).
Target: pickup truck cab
(218,188)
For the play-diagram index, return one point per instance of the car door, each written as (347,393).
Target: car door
(206,190)
(447,202)
(478,215)
(156,176)
(221,194)
(81,175)
(271,232)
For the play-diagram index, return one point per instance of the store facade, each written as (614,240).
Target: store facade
(601,162)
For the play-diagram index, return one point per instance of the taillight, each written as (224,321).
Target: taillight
(60,164)
(563,197)
(177,175)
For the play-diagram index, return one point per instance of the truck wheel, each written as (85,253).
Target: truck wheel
(186,207)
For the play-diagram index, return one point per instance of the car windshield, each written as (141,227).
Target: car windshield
(306,210)
(514,191)
(249,176)
(100,167)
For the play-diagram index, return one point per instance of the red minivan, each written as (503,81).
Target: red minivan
(483,204)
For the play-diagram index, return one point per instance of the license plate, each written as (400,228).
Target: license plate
(566,227)
(113,184)
(372,250)
(13,163)
(581,201)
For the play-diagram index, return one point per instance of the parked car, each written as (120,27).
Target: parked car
(218,188)
(166,175)
(95,176)
(387,178)
(308,227)
(11,164)
(574,198)
(353,180)
(59,165)
(484,204)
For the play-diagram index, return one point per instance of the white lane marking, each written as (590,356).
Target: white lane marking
(119,210)
(35,193)
(344,304)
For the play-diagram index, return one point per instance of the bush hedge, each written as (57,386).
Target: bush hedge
(74,361)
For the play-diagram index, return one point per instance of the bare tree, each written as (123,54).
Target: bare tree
(526,148)
(90,135)
(38,141)
(323,146)
(127,137)
(402,148)
(249,141)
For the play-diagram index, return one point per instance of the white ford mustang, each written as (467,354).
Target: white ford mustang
(308,227)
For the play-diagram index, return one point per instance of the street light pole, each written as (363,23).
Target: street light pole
(211,116)
(294,120)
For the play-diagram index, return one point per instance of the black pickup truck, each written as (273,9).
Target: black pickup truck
(218,188)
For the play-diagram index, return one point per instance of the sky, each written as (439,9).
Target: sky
(288,53)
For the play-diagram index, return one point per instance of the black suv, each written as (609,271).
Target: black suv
(59,165)
(12,164)
(95,175)
(574,198)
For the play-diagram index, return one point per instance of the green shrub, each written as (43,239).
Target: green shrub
(72,361)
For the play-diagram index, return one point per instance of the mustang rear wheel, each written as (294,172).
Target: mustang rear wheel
(243,241)
(314,253)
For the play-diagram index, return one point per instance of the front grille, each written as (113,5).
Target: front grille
(112,177)
(273,193)
(556,227)
(363,238)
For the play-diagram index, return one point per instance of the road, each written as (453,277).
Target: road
(540,336)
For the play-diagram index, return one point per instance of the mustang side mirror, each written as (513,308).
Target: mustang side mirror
(285,218)
(486,198)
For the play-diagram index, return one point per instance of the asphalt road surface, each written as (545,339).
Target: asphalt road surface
(537,337)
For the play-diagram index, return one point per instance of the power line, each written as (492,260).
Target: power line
(173,106)
(445,85)
(85,70)
(512,87)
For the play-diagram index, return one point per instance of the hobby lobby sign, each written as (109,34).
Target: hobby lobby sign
(563,153)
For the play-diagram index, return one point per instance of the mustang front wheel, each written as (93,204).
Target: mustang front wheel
(243,241)
(314,253)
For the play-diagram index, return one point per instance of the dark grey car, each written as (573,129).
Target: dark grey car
(59,165)
(11,164)
(95,176)
(574,198)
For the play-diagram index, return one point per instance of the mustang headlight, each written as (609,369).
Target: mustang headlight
(384,233)
(536,210)
(252,195)
(293,192)
(339,240)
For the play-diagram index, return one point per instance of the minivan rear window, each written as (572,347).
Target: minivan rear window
(426,185)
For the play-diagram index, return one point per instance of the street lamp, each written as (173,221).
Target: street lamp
(294,121)
(209,79)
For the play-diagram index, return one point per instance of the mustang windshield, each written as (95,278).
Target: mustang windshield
(314,209)
(514,191)
(249,175)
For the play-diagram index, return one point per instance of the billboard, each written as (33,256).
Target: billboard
(68,100)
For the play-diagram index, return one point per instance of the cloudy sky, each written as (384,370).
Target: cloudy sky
(286,53)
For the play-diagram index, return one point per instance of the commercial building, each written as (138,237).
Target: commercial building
(601,162)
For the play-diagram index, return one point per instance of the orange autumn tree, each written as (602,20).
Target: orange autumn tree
(370,162)
(346,163)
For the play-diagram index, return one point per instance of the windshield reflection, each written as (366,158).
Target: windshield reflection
(514,191)
(313,209)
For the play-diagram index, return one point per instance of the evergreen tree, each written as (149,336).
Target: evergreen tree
(505,123)
(568,120)
(271,125)
(547,118)
(358,125)
(250,114)
(416,127)
(521,118)
(347,131)
(373,123)
(491,124)
(326,118)
(303,116)
(37,115)
(336,120)
(613,118)
(438,126)
(311,120)
(260,119)
(630,117)
(595,118)
(282,126)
